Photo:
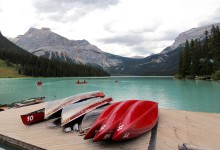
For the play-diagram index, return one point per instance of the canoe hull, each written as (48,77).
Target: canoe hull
(89,119)
(98,123)
(33,117)
(56,107)
(140,118)
(72,115)
(111,123)
(27,102)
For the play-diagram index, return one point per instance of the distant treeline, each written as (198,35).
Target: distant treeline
(201,58)
(31,65)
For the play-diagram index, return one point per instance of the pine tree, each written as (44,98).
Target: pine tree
(195,56)
(216,47)
(186,60)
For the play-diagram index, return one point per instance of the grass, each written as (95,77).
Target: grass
(8,72)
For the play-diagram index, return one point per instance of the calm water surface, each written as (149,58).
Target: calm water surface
(177,94)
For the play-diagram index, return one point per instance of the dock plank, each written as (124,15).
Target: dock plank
(194,128)
(174,127)
(54,138)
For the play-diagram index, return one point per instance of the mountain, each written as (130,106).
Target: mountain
(137,57)
(157,65)
(194,33)
(44,42)
(166,62)
(30,65)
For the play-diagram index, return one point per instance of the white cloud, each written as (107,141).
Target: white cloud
(122,27)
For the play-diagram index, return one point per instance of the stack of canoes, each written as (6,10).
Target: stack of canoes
(97,118)
(124,120)
(30,101)
(54,109)
(22,103)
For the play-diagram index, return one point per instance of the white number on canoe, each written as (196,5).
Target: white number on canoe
(126,135)
(30,118)
(103,127)
(107,136)
(120,127)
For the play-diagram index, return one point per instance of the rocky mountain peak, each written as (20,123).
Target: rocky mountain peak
(44,42)
(34,30)
(194,33)
(45,29)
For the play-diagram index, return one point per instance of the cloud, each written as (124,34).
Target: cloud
(148,28)
(150,46)
(139,41)
(127,39)
(142,50)
(167,35)
(213,18)
(65,10)
(133,44)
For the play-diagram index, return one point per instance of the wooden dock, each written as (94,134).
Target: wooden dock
(175,127)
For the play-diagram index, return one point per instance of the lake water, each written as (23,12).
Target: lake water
(192,95)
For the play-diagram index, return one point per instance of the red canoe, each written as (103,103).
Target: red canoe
(140,118)
(111,123)
(33,117)
(81,82)
(39,83)
(98,123)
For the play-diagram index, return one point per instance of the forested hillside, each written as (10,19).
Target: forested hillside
(30,65)
(201,58)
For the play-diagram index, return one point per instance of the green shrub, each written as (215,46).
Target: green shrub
(216,75)
(178,76)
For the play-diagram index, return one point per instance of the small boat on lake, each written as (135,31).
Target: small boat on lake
(81,82)
(39,83)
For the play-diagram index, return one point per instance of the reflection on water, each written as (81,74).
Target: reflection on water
(178,94)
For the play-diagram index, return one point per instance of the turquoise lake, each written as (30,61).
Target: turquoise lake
(194,95)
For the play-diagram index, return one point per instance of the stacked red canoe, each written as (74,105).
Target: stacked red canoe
(124,120)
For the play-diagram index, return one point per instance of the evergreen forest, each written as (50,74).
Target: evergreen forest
(201,58)
(31,65)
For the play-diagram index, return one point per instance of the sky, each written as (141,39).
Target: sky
(123,27)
